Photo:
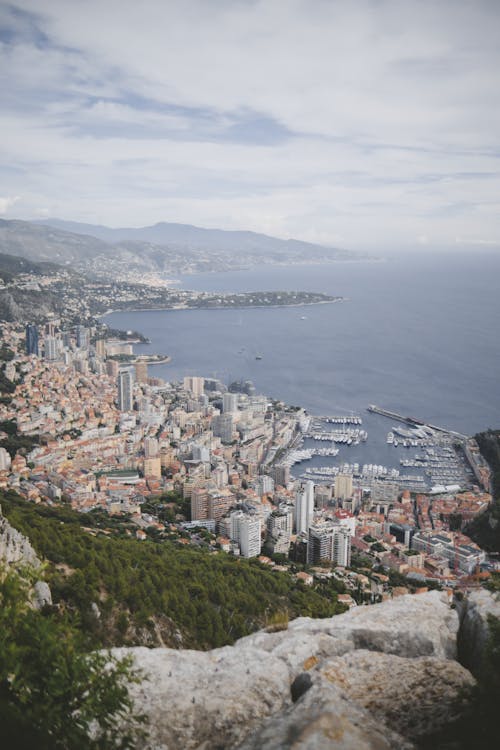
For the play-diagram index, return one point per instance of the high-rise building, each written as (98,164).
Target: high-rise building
(229,403)
(50,348)
(199,504)
(125,385)
(82,337)
(141,372)
(194,384)
(152,467)
(100,348)
(304,507)
(249,536)
(222,426)
(281,475)
(329,542)
(31,339)
(151,447)
(343,486)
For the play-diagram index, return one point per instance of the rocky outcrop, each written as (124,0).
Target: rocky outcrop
(376,677)
(14,547)
(474,630)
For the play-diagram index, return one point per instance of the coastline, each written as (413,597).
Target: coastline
(222,307)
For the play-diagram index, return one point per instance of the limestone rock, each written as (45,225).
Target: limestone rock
(14,547)
(300,649)
(415,697)
(323,719)
(203,700)
(42,595)
(411,626)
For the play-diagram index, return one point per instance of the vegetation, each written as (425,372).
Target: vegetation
(53,695)
(16,442)
(118,590)
(478,727)
(485,530)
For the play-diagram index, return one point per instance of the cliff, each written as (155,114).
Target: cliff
(15,548)
(375,677)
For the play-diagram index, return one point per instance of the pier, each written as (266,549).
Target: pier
(412,421)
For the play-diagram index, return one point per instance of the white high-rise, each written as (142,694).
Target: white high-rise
(304,507)
(229,402)
(249,537)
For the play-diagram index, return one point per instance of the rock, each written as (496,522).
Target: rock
(301,684)
(14,547)
(301,650)
(474,630)
(42,595)
(411,626)
(213,700)
(373,678)
(414,697)
(323,719)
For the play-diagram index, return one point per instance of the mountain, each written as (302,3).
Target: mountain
(45,243)
(166,233)
(128,253)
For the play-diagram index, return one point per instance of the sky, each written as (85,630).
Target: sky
(354,123)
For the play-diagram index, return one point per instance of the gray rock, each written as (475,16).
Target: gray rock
(323,719)
(42,595)
(415,697)
(14,547)
(411,626)
(213,700)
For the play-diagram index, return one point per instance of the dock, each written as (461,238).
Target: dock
(413,421)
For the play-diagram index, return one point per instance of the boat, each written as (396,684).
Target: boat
(258,356)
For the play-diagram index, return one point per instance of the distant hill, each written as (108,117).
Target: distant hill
(166,233)
(13,265)
(45,243)
(163,248)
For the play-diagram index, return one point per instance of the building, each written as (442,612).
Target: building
(249,538)
(152,467)
(329,542)
(281,475)
(343,486)
(229,403)
(100,348)
(31,339)
(222,426)
(195,385)
(125,385)
(304,507)
(82,337)
(141,372)
(199,504)
(50,348)
(460,557)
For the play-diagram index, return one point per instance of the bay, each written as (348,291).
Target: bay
(416,334)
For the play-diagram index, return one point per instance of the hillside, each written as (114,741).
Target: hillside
(12,266)
(485,530)
(122,591)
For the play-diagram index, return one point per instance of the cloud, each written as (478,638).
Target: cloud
(7,203)
(375,121)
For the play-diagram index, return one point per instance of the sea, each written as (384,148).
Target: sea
(418,334)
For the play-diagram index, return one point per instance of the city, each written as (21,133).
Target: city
(201,464)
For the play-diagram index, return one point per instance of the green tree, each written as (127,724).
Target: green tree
(53,695)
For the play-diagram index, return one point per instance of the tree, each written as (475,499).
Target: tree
(53,695)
